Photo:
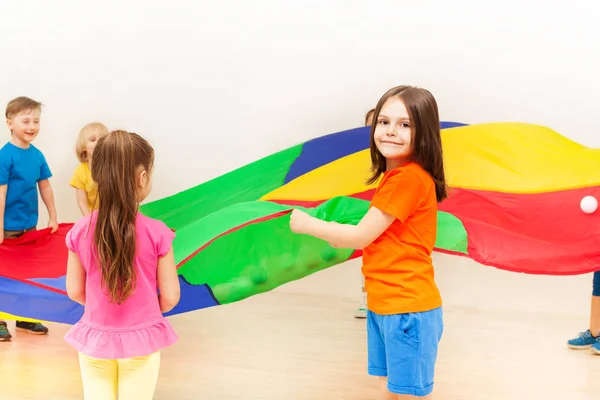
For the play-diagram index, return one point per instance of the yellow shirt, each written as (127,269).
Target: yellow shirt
(82,179)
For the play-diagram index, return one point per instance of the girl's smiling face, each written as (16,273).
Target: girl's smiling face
(393,132)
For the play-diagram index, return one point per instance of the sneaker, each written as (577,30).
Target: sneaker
(361,311)
(585,340)
(5,335)
(596,346)
(34,328)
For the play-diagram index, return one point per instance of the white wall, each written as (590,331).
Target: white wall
(217,84)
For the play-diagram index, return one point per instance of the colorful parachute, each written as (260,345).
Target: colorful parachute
(514,201)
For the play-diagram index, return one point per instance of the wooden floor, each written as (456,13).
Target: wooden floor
(282,346)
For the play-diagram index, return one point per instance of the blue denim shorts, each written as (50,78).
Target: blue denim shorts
(596,284)
(404,348)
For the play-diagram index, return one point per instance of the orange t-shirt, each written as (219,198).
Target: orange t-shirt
(397,266)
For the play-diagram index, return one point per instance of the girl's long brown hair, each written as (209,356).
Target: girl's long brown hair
(426,137)
(117,161)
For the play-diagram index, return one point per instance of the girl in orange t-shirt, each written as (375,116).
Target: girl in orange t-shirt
(397,236)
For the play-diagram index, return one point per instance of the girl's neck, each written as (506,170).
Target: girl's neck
(393,163)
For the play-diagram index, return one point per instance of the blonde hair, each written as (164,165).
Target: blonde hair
(368,115)
(89,130)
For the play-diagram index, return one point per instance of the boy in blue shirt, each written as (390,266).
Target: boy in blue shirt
(23,169)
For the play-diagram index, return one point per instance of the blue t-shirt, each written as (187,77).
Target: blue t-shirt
(22,169)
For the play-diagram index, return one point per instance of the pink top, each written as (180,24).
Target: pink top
(136,327)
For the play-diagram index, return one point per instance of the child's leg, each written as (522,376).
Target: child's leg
(591,337)
(138,377)
(35,328)
(376,357)
(595,306)
(411,347)
(387,395)
(361,311)
(99,378)
(377,327)
(595,313)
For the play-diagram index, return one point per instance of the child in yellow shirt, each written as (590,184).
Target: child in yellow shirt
(85,187)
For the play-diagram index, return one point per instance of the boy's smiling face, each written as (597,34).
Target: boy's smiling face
(24,127)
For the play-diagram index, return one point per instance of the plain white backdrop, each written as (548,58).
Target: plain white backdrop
(215,85)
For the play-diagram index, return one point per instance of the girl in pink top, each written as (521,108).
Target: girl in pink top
(118,259)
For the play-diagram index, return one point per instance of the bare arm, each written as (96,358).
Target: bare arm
(370,227)
(82,202)
(75,281)
(168,282)
(48,199)
(3,189)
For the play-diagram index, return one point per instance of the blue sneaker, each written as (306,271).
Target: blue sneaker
(585,340)
(596,346)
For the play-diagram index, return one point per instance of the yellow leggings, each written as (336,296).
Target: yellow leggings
(125,379)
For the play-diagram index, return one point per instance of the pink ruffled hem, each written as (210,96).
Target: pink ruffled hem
(107,344)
